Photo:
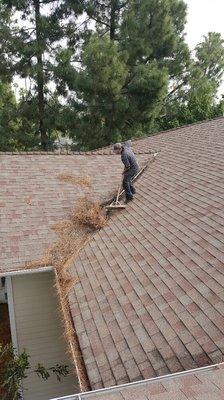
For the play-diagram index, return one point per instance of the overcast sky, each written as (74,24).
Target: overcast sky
(203,16)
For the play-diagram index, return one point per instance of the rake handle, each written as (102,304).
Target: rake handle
(118,193)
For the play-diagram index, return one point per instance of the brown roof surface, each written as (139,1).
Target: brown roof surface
(151,295)
(150,300)
(205,384)
(32,198)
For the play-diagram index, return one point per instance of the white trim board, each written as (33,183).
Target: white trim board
(26,271)
(12,319)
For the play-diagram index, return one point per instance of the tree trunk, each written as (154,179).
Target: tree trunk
(40,77)
(113,10)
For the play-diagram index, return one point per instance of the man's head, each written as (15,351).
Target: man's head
(117,148)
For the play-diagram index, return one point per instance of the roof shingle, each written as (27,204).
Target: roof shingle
(33,198)
(200,384)
(150,296)
(150,291)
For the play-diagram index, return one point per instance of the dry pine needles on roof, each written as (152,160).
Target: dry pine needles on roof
(89,214)
(71,336)
(73,233)
(83,181)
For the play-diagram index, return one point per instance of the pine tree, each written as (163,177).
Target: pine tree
(126,61)
(195,97)
(7,117)
(35,38)
(210,57)
(5,64)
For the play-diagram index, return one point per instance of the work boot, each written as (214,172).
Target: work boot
(128,199)
(133,191)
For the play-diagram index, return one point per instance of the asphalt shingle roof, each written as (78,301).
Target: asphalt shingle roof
(32,198)
(150,297)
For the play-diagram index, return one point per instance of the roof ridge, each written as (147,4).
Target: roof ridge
(135,139)
(105,150)
(68,153)
(179,127)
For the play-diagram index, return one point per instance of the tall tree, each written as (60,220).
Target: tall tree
(7,117)
(40,78)
(37,31)
(125,66)
(210,57)
(195,96)
(5,62)
(123,69)
(17,126)
(106,15)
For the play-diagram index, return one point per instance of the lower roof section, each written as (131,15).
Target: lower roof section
(198,384)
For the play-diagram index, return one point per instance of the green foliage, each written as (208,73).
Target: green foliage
(195,96)
(17,128)
(57,370)
(99,87)
(5,62)
(16,368)
(15,371)
(123,69)
(34,40)
(210,57)
(151,29)
(7,117)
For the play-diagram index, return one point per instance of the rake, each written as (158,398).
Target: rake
(116,203)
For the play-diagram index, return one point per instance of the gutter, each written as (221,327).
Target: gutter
(26,271)
(112,389)
(72,338)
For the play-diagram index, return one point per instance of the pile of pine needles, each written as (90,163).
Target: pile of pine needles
(89,214)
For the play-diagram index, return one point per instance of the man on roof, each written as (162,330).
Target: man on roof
(131,167)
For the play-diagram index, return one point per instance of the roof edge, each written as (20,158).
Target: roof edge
(85,395)
(24,271)
(204,121)
(102,151)
(70,153)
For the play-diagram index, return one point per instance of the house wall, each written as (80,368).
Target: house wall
(39,330)
(2,292)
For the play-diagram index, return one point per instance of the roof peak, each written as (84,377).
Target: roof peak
(105,150)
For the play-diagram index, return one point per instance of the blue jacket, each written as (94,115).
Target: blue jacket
(129,160)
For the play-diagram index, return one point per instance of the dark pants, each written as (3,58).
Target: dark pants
(127,184)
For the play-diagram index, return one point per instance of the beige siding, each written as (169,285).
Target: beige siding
(39,331)
(2,293)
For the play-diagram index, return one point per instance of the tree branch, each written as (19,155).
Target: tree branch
(176,88)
